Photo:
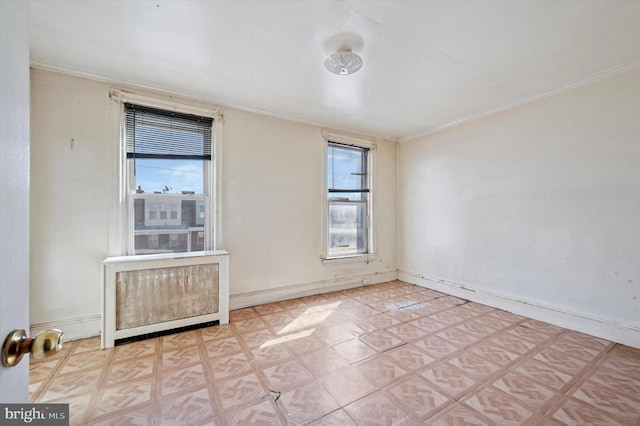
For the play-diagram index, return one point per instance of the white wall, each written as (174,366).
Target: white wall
(69,201)
(14,189)
(271,205)
(536,209)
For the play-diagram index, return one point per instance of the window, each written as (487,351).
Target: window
(347,200)
(169,157)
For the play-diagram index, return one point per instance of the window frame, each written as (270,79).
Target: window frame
(370,254)
(121,233)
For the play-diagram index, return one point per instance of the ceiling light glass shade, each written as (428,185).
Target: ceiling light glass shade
(343,63)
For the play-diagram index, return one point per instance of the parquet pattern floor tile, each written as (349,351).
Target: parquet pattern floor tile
(390,353)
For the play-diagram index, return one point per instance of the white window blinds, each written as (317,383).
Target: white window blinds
(160,134)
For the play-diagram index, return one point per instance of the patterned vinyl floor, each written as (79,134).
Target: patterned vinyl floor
(386,354)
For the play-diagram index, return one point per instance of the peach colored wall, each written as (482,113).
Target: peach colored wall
(271,205)
(536,209)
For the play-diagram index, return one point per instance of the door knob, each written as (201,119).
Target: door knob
(42,345)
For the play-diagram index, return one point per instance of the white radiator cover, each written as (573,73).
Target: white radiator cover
(151,293)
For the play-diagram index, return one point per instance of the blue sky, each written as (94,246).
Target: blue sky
(344,166)
(179,175)
(187,175)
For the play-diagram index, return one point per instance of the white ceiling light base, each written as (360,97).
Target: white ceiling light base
(343,63)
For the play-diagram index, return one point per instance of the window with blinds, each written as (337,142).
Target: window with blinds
(160,134)
(348,200)
(168,159)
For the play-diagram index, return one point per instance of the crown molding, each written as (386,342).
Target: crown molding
(602,75)
(132,85)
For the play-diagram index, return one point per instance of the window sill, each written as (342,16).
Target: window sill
(165,256)
(358,258)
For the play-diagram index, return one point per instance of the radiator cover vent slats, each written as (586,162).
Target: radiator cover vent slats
(150,296)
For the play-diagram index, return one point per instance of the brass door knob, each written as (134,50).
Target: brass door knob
(44,344)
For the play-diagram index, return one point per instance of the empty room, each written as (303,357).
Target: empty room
(321,212)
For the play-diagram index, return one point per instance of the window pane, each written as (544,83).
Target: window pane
(348,192)
(168,223)
(169,176)
(168,154)
(347,228)
(346,168)
(160,243)
(347,196)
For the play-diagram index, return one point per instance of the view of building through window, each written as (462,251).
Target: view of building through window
(168,156)
(168,222)
(348,195)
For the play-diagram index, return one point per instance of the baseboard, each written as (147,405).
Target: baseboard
(80,328)
(74,328)
(278,294)
(625,333)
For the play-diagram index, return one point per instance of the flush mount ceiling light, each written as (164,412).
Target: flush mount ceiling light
(343,63)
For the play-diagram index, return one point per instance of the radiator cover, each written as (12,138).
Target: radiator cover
(152,293)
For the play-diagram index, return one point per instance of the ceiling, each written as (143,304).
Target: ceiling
(427,64)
